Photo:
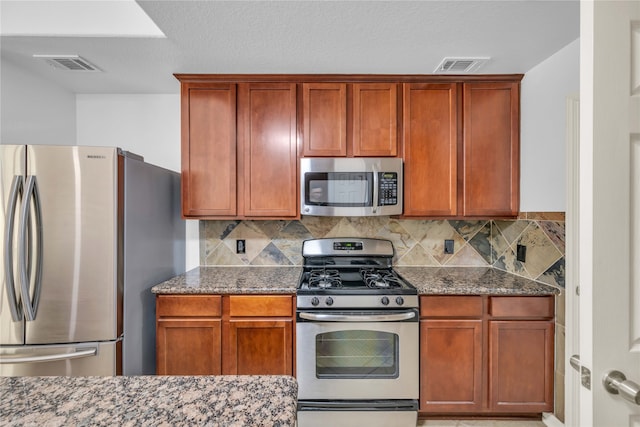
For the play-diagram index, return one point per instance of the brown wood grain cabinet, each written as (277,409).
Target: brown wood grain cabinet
(242,136)
(267,139)
(229,335)
(491,159)
(209,174)
(375,120)
(239,150)
(350,120)
(461,149)
(430,132)
(188,335)
(484,355)
(258,335)
(324,107)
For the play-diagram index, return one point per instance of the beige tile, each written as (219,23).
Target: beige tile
(541,253)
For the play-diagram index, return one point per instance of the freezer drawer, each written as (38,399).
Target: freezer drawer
(76,360)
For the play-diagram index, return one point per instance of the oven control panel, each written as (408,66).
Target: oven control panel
(347,246)
(357,301)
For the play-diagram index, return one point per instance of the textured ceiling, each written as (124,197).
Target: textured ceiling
(344,37)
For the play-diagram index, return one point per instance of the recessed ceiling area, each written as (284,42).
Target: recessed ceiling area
(238,37)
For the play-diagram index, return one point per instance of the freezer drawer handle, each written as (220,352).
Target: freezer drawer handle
(30,304)
(17,186)
(358,318)
(49,357)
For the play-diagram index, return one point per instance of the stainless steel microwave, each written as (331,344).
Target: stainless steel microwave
(351,186)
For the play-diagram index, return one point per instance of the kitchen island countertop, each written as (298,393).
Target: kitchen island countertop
(224,401)
(283,280)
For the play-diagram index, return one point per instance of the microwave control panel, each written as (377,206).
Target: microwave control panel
(388,188)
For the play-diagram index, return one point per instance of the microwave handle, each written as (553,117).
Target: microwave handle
(375,189)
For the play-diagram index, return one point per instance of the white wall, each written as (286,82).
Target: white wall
(543,147)
(148,125)
(33,110)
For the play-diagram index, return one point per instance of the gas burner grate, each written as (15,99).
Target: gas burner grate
(380,279)
(323,278)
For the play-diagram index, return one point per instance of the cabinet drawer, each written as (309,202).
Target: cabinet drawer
(188,305)
(451,306)
(542,306)
(260,305)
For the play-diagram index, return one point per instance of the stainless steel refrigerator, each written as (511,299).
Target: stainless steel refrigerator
(86,232)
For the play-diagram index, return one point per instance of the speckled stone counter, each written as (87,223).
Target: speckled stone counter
(233,280)
(220,401)
(283,280)
(471,281)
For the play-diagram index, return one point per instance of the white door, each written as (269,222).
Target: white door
(609,206)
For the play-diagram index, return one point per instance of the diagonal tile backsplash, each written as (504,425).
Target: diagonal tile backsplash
(417,242)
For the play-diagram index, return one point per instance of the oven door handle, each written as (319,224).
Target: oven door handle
(322,317)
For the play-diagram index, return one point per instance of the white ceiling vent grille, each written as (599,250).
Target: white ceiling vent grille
(460,65)
(68,62)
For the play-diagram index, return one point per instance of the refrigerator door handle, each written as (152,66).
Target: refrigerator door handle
(49,357)
(17,187)
(30,303)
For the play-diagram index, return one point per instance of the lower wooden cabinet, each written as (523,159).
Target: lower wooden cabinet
(486,355)
(258,335)
(229,335)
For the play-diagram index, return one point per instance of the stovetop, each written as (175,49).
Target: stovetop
(353,273)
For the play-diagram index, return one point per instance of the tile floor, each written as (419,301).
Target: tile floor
(479,423)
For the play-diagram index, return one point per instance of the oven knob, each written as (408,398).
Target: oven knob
(399,300)
(384,301)
(329,301)
(315,301)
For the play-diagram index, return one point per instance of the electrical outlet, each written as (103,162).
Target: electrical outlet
(521,253)
(448,246)
(241,246)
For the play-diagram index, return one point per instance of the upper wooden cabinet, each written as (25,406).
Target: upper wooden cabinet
(461,148)
(491,180)
(324,109)
(209,178)
(239,150)
(430,125)
(267,139)
(341,119)
(242,136)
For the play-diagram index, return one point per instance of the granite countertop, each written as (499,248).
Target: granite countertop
(471,281)
(233,280)
(222,401)
(428,281)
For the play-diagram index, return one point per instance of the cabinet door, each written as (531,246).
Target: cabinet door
(451,365)
(258,347)
(521,366)
(267,138)
(375,119)
(208,149)
(491,149)
(430,149)
(324,109)
(188,346)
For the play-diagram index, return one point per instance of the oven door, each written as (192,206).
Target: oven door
(357,355)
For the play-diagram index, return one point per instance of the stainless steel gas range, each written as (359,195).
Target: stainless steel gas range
(357,336)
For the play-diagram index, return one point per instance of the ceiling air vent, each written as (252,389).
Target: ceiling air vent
(460,65)
(68,62)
